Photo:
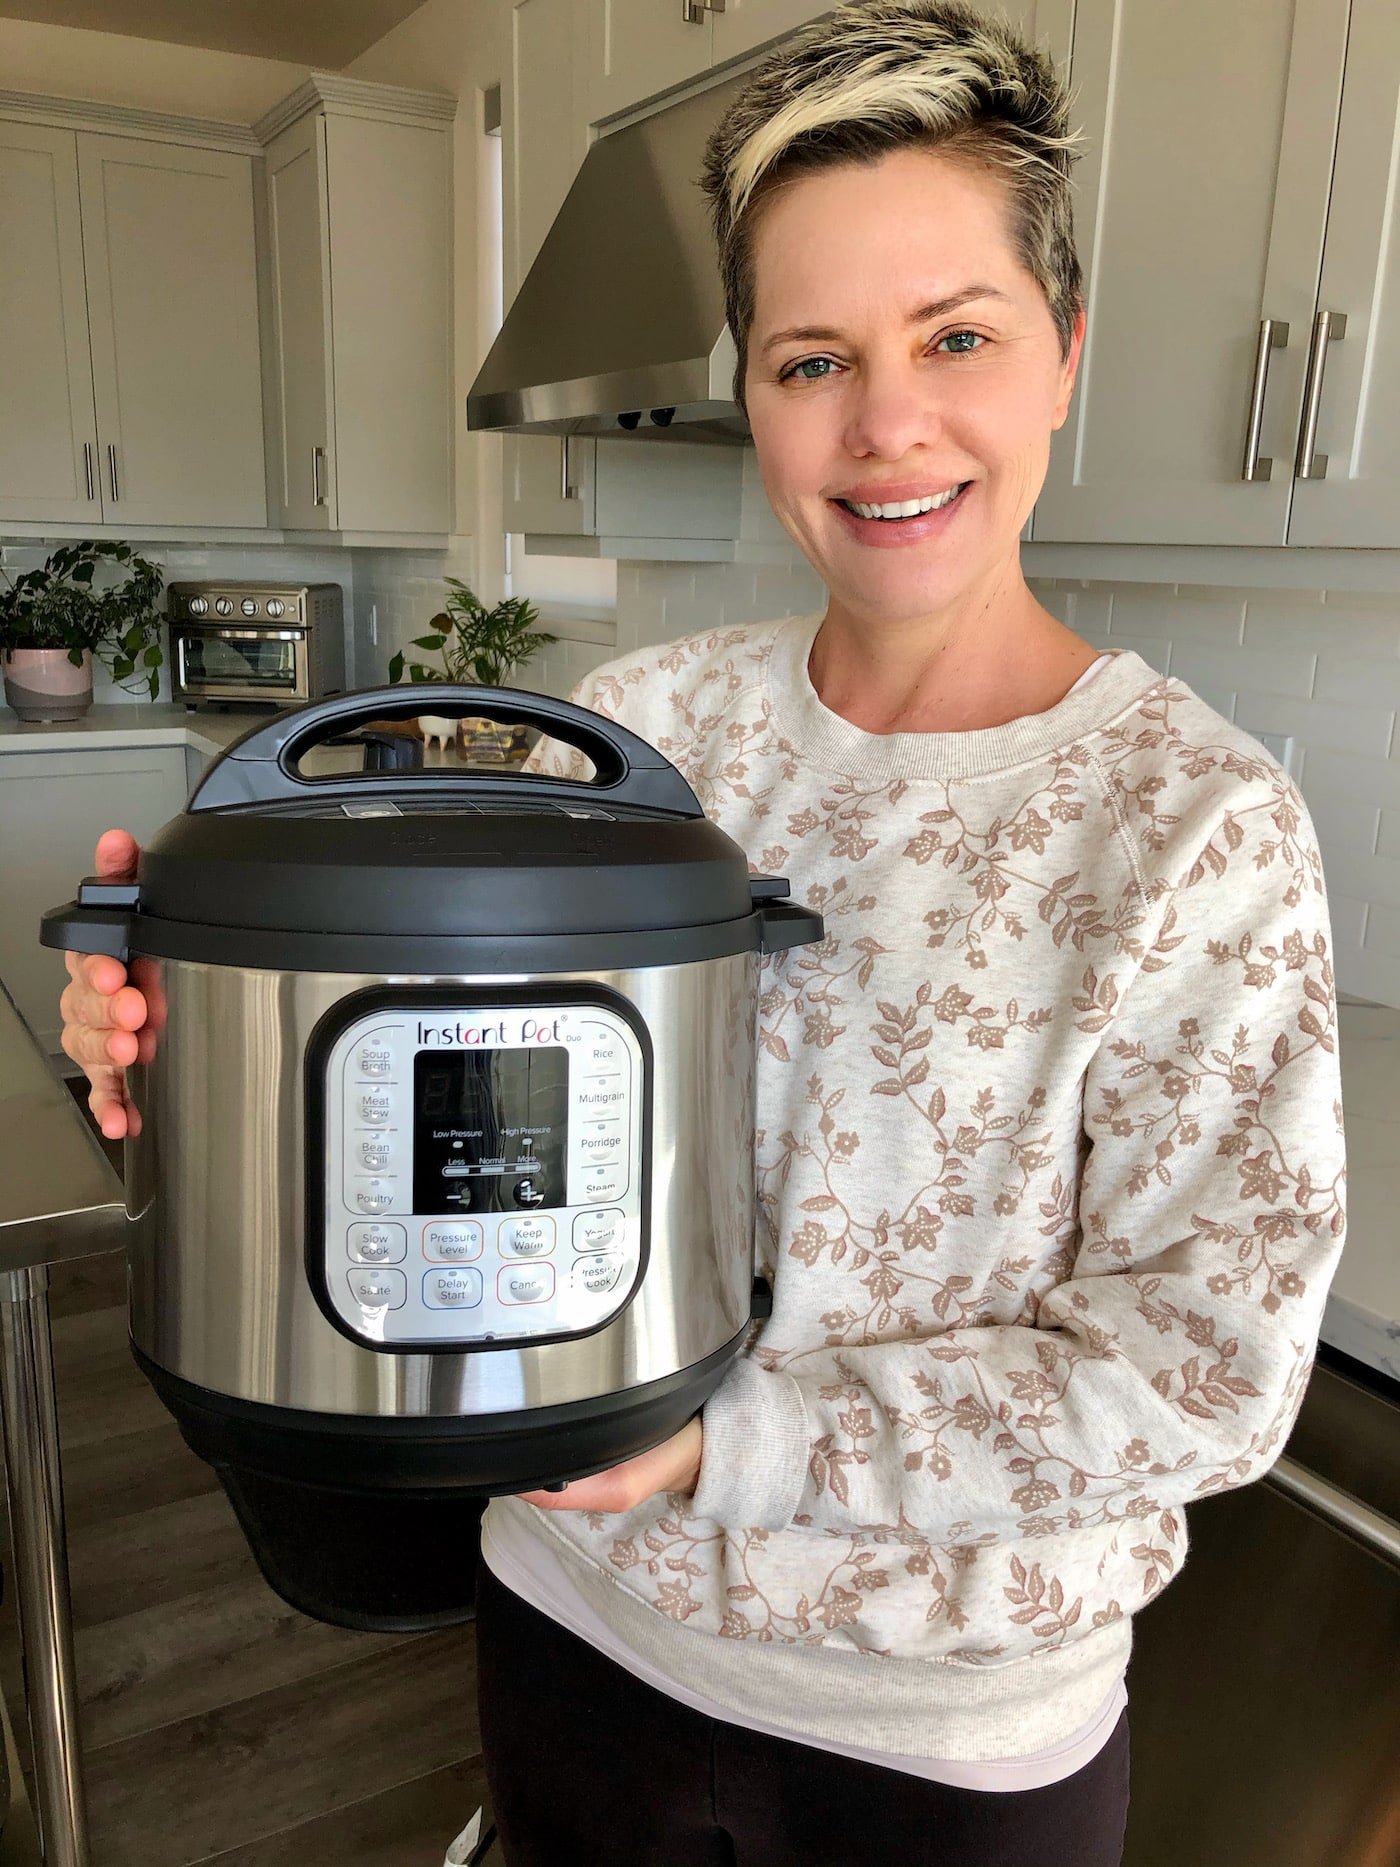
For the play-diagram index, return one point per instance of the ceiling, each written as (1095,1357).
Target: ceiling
(324,33)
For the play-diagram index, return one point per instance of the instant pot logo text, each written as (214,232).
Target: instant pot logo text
(463,1036)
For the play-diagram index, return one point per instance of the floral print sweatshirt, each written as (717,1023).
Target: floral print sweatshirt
(1050,1177)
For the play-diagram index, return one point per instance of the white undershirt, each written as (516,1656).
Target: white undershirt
(525,1563)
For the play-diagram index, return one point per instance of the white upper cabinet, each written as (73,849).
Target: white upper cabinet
(1351,495)
(643,47)
(359,239)
(48,427)
(173,314)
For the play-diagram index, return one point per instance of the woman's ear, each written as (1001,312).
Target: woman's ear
(1069,370)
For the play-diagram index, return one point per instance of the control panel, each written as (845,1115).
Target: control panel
(482,1172)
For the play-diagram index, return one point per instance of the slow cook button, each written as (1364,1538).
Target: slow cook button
(597,1275)
(522,1283)
(597,1231)
(378,1244)
(526,1238)
(453,1240)
(375,1196)
(374,1060)
(452,1289)
(379,1289)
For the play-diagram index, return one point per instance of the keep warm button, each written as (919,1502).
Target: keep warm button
(525,1283)
(526,1238)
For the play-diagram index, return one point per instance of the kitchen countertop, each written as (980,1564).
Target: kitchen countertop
(1362,1318)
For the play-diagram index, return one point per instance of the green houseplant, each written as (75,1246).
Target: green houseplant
(54,619)
(481,646)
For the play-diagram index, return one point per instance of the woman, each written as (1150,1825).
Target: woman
(1049,1145)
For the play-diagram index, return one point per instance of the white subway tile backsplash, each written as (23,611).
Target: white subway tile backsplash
(1140,609)
(1323,725)
(1255,671)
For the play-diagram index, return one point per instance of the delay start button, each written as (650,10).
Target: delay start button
(456,1288)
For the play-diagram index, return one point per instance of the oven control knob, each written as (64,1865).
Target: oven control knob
(528,1192)
(249,606)
(275,606)
(199,605)
(224,605)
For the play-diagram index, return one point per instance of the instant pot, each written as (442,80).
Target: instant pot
(444,1185)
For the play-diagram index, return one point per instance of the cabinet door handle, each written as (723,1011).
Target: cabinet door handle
(318,495)
(566,489)
(88,478)
(693,11)
(1273,335)
(1328,328)
(112,471)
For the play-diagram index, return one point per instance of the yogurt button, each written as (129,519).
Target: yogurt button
(597,1231)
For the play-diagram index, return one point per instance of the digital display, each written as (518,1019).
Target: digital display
(490,1131)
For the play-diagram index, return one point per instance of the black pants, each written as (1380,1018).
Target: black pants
(589,1766)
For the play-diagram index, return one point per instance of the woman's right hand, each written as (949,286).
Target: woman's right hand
(106,1025)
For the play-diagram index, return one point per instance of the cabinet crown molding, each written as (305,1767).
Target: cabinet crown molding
(355,97)
(85,113)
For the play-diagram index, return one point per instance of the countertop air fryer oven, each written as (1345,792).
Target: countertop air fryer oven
(444,1185)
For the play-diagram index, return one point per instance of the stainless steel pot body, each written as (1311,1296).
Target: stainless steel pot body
(218,1194)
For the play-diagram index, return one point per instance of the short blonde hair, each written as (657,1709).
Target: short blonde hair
(890,74)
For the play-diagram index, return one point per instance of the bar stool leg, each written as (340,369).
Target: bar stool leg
(40,1552)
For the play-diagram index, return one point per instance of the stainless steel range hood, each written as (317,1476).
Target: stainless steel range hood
(619,325)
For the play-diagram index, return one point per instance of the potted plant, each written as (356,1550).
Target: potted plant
(481,646)
(53,621)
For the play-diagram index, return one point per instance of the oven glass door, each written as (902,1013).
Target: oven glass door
(267,662)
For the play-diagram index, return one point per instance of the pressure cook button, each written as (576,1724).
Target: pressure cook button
(597,1231)
(525,1283)
(374,1060)
(525,1238)
(379,1289)
(378,1244)
(452,1289)
(596,1275)
(452,1240)
(375,1197)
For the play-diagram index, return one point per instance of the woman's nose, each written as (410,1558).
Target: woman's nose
(891,410)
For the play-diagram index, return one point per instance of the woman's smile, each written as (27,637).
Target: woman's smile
(930,518)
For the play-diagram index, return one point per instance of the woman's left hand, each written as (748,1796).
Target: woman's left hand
(672,1466)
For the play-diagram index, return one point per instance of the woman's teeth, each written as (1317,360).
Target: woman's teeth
(905,508)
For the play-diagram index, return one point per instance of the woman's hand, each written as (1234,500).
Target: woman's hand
(674,1466)
(106,1020)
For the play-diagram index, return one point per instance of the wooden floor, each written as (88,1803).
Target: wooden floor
(219,1725)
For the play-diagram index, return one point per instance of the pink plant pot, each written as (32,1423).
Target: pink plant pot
(43,684)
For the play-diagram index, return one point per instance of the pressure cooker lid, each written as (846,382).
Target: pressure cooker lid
(378,870)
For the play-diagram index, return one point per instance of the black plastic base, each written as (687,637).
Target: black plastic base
(371,1522)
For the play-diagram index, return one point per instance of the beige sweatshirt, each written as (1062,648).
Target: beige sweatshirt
(1050,1171)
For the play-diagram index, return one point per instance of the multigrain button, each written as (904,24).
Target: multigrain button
(597,1231)
(601,1097)
(378,1244)
(525,1238)
(452,1240)
(379,1289)
(452,1289)
(525,1283)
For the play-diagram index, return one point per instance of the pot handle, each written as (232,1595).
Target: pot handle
(260,767)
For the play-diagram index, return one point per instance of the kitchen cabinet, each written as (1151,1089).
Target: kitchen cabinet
(48,426)
(53,807)
(359,242)
(1357,500)
(173,316)
(1210,247)
(128,323)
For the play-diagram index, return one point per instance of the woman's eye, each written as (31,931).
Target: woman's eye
(956,343)
(962,341)
(807,362)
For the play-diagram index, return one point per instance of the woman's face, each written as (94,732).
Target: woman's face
(877,402)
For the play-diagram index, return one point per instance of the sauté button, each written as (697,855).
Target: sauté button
(452,1289)
(378,1244)
(452,1240)
(525,1283)
(379,1289)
